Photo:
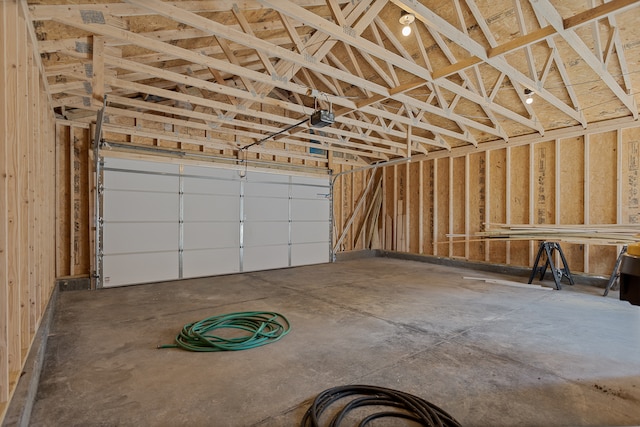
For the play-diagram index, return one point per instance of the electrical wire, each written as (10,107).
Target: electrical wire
(259,328)
(407,407)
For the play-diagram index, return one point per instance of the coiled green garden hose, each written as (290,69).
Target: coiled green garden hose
(260,327)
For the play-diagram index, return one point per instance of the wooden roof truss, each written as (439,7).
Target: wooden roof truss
(222,75)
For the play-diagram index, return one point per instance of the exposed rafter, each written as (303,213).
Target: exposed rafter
(223,74)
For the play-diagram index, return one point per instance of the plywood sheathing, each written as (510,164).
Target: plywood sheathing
(571,200)
(630,205)
(519,201)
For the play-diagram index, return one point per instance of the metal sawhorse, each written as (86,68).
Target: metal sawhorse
(616,272)
(547,248)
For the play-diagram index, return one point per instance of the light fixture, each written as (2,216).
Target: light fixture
(406,19)
(529,94)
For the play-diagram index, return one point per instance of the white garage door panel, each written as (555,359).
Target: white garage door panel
(122,237)
(309,210)
(266,257)
(260,233)
(211,186)
(266,209)
(141,165)
(309,253)
(310,232)
(322,182)
(309,192)
(140,268)
(201,207)
(266,189)
(135,206)
(168,221)
(141,181)
(228,174)
(253,177)
(210,262)
(211,235)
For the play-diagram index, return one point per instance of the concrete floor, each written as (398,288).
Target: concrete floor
(489,354)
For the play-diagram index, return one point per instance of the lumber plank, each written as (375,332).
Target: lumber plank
(13,192)
(4,219)
(24,210)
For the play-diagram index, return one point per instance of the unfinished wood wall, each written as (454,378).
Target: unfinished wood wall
(435,206)
(74,233)
(27,197)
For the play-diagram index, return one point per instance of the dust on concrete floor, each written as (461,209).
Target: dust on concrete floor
(489,354)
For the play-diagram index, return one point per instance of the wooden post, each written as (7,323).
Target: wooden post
(467,203)
(71,219)
(385,241)
(4,218)
(532,247)
(421,208)
(450,207)
(24,143)
(407,208)
(487,201)
(395,208)
(587,189)
(507,196)
(435,207)
(13,192)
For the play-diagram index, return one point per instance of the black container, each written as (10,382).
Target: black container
(630,279)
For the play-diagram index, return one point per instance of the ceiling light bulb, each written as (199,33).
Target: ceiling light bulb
(406,19)
(529,94)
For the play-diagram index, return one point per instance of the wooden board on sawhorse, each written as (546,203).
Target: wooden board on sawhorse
(548,248)
(616,272)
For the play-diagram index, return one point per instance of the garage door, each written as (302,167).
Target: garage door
(167,221)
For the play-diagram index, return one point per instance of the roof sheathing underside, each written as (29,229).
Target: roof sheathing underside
(217,76)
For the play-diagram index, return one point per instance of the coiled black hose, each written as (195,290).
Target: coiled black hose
(406,406)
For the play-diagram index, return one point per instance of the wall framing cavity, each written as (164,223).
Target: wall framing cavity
(436,206)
